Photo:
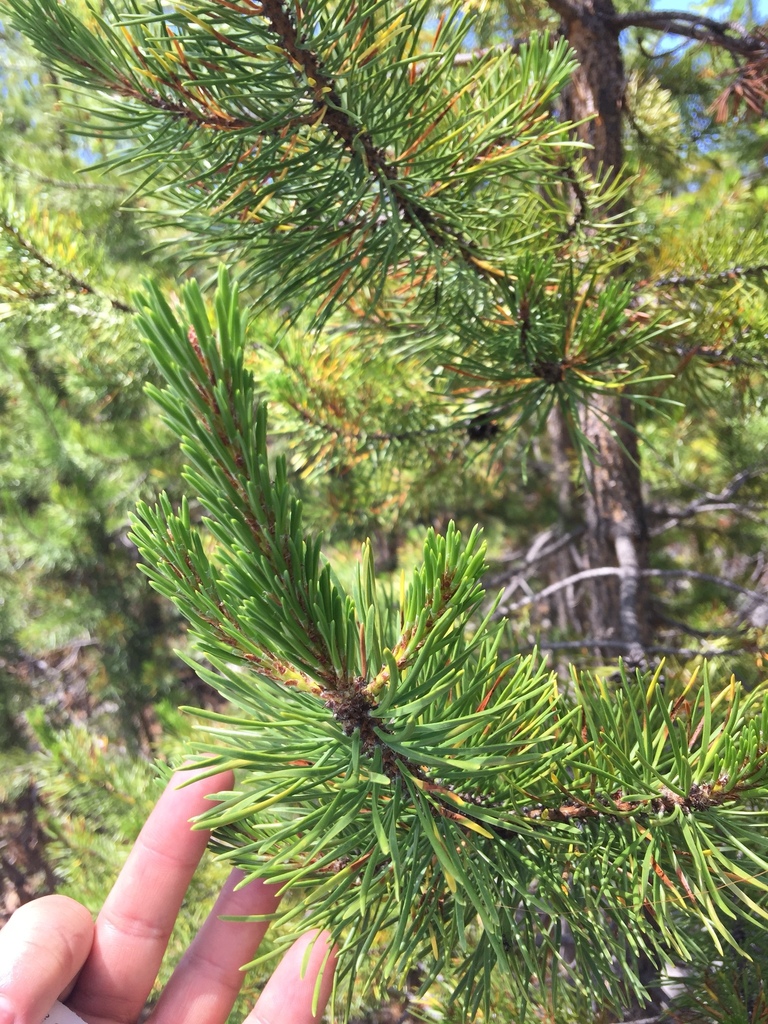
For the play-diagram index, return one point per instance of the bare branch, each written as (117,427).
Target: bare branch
(577,577)
(705,577)
(692,26)
(709,503)
(58,183)
(747,511)
(539,549)
(609,570)
(620,646)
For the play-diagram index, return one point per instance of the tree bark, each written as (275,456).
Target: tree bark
(613,501)
(597,87)
(616,532)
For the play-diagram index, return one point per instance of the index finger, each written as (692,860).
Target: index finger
(135,923)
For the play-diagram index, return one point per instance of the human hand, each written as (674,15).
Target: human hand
(50,948)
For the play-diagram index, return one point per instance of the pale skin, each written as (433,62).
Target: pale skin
(51,948)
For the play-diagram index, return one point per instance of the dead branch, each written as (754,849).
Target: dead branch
(620,645)
(608,570)
(692,26)
(709,503)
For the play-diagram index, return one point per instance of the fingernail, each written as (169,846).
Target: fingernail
(7,1012)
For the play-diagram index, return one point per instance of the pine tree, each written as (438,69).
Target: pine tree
(77,435)
(81,639)
(613,609)
(401,770)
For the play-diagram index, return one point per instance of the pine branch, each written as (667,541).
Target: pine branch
(395,770)
(18,170)
(367,438)
(317,410)
(702,797)
(61,272)
(718,277)
(406,179)
(329,143)
(330,111)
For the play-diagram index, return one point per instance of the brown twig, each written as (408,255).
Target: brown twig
(67,275)
(692,26)
(355,138)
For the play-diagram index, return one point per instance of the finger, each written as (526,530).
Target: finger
(135,923)
(204,986)
(292,996)
(42,947)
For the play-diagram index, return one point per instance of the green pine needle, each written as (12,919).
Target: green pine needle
(400,775)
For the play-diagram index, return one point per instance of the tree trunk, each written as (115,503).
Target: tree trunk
(613,501)
(597,87)
(616,532)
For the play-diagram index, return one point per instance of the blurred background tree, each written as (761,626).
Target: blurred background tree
(84,644)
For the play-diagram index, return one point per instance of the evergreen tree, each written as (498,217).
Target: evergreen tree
(77,436)
(82,642)
(371,177)
(449,233)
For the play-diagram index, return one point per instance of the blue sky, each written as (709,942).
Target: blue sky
(712,10)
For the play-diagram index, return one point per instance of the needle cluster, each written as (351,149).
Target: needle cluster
(400,774)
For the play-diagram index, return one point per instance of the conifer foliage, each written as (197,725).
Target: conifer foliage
(338,143)
(343,100)
(399,773)
(399,770)
(79,632)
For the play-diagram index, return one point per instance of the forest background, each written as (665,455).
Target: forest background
(90,685)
